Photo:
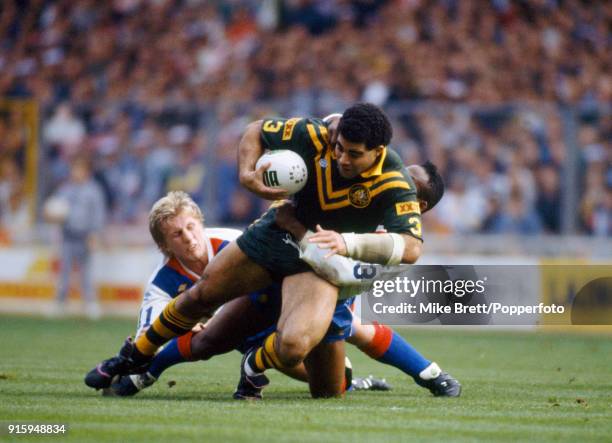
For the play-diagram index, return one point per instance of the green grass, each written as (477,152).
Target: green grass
(517,387)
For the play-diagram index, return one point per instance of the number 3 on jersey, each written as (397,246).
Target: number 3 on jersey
(416,226)
(272,126)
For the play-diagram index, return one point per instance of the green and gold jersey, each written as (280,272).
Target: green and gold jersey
(382,197)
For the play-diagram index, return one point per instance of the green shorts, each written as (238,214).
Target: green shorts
(272,248)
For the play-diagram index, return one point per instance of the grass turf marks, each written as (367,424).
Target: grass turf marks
(517,386)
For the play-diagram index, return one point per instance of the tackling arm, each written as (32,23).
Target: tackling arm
(387,249)
(338,270)
(352,277)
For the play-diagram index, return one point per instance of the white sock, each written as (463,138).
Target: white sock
(430,372)
(249,371)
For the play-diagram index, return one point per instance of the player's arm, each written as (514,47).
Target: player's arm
(249,151)
(402,244)
(386,249)
(338,270)
(332,121)
(382,248)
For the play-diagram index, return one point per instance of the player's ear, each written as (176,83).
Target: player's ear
(423,204)
(379,149)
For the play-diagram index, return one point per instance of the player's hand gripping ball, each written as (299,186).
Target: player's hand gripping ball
(287,170)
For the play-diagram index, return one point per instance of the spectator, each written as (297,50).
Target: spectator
(548,200)
(517,218)
(462,209)
(15,222)
(64,130)
(80,210)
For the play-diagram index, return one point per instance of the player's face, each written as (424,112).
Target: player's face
(354,158)
(184,237)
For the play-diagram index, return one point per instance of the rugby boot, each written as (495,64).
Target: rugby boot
(123,363)
(370,383)
(250,386)
(444,385)
(129,385)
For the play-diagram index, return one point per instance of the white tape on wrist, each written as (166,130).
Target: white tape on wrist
(350,240)
(398,249)
(386,249)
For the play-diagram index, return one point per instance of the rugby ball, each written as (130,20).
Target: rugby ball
(287,170)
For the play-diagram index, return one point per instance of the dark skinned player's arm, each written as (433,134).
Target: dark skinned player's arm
(413,248)
(249,151)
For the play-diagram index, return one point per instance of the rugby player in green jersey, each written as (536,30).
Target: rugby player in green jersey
(354,188)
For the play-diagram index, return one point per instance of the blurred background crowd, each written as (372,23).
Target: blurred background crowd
(512,99)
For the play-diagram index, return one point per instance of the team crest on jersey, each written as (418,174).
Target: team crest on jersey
(359,195)
(323,163)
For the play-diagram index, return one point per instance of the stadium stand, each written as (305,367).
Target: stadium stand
(514,106)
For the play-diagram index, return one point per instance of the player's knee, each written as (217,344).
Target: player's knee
(293,349)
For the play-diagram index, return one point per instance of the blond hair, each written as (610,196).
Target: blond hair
(167,207)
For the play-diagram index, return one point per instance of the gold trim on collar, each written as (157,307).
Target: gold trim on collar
(376,169)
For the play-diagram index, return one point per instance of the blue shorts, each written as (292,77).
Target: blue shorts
(341,326)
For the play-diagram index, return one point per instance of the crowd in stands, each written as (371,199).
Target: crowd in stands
(511,98)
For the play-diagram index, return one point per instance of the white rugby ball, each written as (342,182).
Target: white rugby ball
(287,170)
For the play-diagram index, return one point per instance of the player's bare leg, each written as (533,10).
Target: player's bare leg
(307,309)
(326,372)
(240,319)
(230,327)
(306,313)
(230,275)
(386,346)
(362,334)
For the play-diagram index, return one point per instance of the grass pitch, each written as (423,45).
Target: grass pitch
(517,387)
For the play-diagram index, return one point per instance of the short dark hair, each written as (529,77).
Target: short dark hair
(366,123)
(433,192)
